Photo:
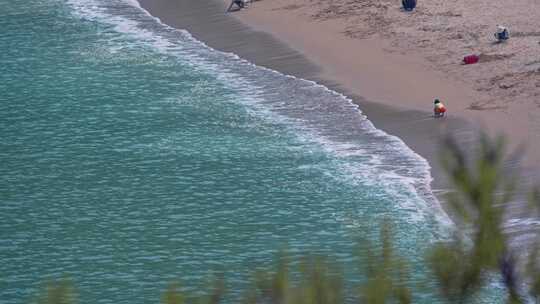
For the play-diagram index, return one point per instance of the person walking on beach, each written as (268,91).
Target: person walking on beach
(439,109)
(241,4)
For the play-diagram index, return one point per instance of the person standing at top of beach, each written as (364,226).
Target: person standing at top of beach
(439,109)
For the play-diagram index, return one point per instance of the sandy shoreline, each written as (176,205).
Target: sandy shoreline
(208,23)
(396,58)
(393,90)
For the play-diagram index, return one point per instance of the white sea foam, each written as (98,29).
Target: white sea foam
(386,160)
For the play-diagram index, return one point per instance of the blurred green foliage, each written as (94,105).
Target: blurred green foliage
(533,265)
(482,192)
(58,293)
(460,266)
(387,273)
(319,282)
(173,295)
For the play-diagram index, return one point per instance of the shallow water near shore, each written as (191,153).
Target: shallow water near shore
(134,156)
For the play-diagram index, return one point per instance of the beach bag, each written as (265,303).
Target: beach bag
(471,59)
(408,5)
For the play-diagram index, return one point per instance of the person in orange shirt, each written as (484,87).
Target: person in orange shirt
(439,110)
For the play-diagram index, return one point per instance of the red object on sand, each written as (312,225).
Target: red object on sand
(471,59)
(442,110)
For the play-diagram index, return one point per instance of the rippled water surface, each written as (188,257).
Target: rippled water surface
(132,155)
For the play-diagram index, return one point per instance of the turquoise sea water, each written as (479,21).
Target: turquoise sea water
(131,156)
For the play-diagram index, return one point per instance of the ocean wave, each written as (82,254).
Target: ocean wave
(364,154)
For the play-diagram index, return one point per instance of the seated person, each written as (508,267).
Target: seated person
(502,33)
(439,109)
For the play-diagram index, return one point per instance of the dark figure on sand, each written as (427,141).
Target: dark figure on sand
(502,33)
(408,5)
(439,109)
(240,4)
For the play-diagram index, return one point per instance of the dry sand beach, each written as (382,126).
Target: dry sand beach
(398,58)
(393,63)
